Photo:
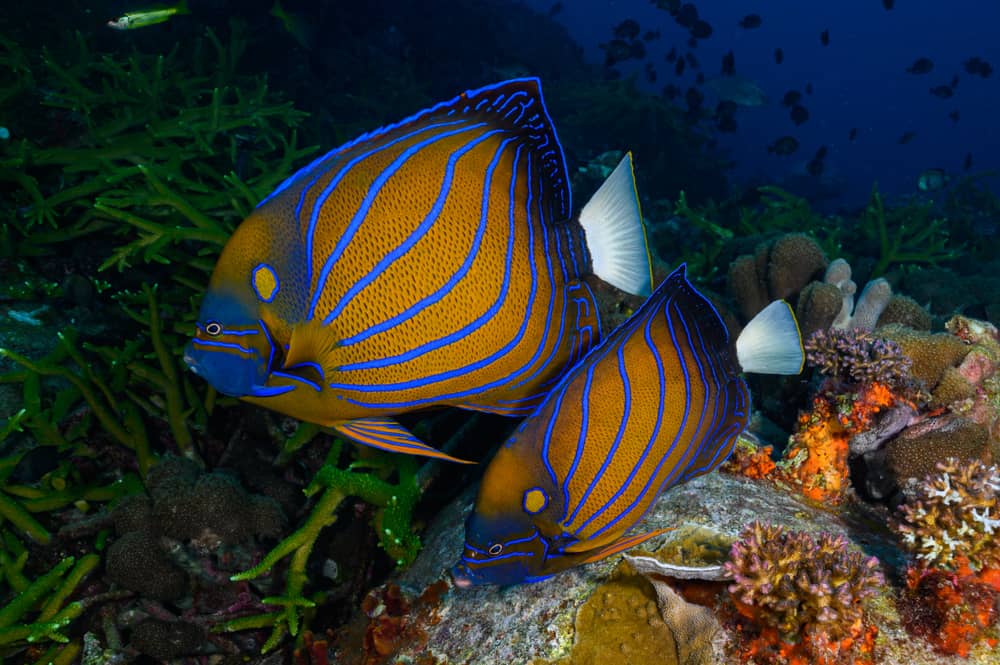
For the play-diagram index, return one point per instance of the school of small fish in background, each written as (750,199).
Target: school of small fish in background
(734,91)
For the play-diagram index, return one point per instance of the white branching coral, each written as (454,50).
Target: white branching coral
(953,517)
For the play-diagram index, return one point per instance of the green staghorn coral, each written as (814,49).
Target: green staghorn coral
(954,517)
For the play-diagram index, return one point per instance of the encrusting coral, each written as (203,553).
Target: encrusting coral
(867,378)
(950,529)
(799,598)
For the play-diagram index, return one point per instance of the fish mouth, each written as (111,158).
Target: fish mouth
(461,576)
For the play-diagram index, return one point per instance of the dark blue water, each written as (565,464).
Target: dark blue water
(859,81)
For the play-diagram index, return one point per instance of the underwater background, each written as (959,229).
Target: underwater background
(840,157)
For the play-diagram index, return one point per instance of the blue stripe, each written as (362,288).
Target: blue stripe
(334,154)
(552,295)
(315,366)
(362,213)
(270,344)
(312,384)
(581,439)
(223,345)
(721,400)
(626,415)
(547,439)
(617,341)
(680,430)
(418,233)
(456,335)
(462,271)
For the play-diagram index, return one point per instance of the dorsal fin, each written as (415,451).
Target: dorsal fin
(516,105)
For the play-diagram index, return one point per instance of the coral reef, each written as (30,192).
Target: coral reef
(855,356)
(950,528)
(778,269)
(800,599)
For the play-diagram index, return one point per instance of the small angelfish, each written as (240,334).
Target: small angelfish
(658,402)
(142,19)
(432,262)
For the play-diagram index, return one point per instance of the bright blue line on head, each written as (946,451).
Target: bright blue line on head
(418,233)
(362,213)
(270,344)
(221,345)
(462,271)
(230,331)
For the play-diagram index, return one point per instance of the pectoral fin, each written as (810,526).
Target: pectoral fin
(387,434)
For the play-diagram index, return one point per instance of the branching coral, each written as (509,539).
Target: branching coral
(906,234)
(954,519)
(856,356)
(950,528)
(800,599)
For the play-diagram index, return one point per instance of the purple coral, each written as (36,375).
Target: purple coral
(856,356)
(794,582)
(954,517)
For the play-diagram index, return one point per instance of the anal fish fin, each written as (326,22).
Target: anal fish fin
(387,434)
(621,545)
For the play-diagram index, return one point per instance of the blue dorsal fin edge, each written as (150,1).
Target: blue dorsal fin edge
(515,103)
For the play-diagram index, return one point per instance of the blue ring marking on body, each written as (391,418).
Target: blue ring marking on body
(253,282)
(524,500)
(418,233)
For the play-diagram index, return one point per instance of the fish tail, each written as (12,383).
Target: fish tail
(771,343)
(616,236)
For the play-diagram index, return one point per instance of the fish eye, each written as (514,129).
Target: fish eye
(213,328)
(496,549)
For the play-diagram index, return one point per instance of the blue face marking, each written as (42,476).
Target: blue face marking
(232,350)
(500,551)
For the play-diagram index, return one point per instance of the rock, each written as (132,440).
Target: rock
(548,621)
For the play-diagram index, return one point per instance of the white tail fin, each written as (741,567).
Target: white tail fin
(616,237)
(771,342)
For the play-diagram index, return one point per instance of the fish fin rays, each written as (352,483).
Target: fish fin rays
(622,544)
(387,434)
(312,344)
(771,342)
(616,236)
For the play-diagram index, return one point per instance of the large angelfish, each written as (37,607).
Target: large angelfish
(431,262)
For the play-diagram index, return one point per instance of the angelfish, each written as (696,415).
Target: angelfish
(431,262)
(658,402)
